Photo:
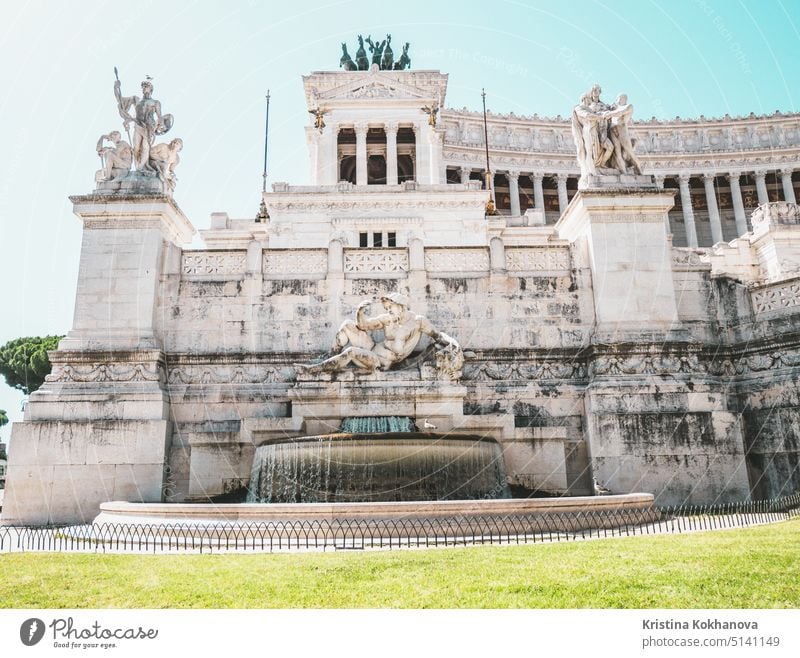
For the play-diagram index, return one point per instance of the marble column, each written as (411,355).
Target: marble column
(788,189)
(563,199)
(465,172)
(361,153)
(713,209)
(761,187)
(328,170)
(391,153)
(738,205)
(513,190)
(538,192)
(688,213)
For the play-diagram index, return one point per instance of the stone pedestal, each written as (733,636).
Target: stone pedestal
(99,428)
(125,241)
(654,420)
(323,404)
(623,231)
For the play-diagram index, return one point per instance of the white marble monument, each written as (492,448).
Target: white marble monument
(594,347)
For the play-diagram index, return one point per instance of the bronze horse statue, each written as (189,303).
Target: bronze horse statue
(361,55)
(388,56)
(346,61)
(405,61)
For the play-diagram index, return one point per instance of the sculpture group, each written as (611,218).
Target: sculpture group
(402,330)
(382,56)
(602,136)
(147,157)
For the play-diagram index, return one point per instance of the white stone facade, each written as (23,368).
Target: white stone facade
(598,344)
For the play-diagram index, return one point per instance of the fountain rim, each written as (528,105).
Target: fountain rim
(355,436)
(121,512)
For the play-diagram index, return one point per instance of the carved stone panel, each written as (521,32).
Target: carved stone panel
(457,260)
(376,261)
(776,297)
(295,261)
(537,259)
(213,262)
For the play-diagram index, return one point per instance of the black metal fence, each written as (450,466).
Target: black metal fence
(360,534)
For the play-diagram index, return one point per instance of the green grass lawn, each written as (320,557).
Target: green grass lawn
(750,568)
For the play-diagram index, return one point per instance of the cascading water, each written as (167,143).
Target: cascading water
(377,459)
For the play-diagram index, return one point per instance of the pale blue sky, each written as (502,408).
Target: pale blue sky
(212,63)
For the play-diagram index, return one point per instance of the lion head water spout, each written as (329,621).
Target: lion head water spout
(402,465)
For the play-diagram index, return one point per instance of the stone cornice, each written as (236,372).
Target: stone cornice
(534,120)
(656,163)
(331,86)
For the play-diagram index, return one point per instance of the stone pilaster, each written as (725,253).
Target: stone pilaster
(361,153)
(659,180)
(761,187)
(391,153)
(713,209)
(538,192)
(563,199)
(788,188)
(513,190)
(688,212)
(738,204)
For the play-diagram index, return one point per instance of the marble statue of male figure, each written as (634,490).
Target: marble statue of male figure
(620,136)
(116,158)
(590,131)
(402,331)
(148,122)
(602,139)
(164,158)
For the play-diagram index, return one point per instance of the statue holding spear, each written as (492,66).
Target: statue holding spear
(148,121)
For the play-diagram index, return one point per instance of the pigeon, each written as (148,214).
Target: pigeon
(428,426)
(599,489)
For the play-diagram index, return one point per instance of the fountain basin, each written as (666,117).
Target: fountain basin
(373,524)
(378,467)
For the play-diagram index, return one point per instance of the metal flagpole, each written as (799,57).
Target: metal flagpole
(490,207)
(263,215)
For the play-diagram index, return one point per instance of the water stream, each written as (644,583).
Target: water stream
(378,459)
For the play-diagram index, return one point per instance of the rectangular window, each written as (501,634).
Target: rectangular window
(391,239)
(363,240)
(377,239)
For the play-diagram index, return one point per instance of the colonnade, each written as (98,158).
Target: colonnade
(683,182)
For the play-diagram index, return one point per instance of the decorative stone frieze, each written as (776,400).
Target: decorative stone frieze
(295,261)
(689,260)
(202,375)
(209,263)
(776,297)
(538,259)
(457,260)
(527,370)
(107,372)
(779,212)
(380,261)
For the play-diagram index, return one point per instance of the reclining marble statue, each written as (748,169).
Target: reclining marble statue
(402,331)
(603,142)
